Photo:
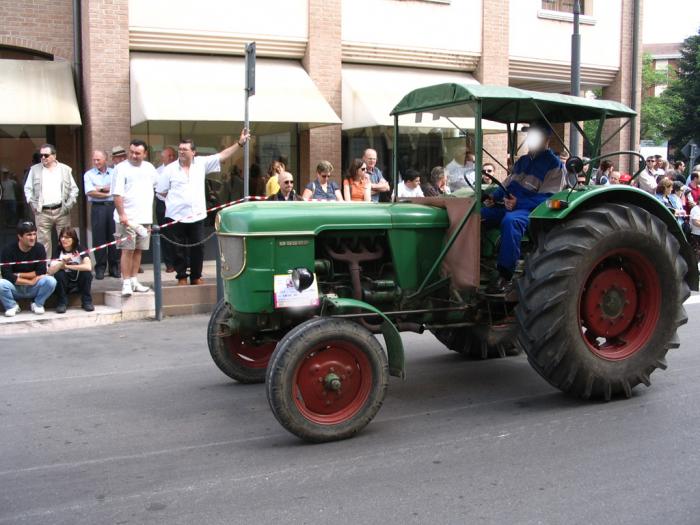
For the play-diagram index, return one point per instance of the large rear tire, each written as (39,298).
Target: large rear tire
(243,360)
(601,300)
(327,379)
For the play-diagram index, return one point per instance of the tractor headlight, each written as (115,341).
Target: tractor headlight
(232,253)
(302,279)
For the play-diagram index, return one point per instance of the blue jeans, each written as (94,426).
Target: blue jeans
(39,291)
(513,226)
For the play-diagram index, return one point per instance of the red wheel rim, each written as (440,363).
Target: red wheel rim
(620,305)
(248,354)
(332,382)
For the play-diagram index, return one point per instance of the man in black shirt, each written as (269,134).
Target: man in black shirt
(25,280)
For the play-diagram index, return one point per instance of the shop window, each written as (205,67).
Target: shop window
(565,6)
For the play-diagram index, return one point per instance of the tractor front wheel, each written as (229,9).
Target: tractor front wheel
(601,300)
(241,359)
(327,379)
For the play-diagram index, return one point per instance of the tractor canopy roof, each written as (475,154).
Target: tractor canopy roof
(507,104)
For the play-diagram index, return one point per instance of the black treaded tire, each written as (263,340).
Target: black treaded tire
(300,374)
(601,300)
(463,341)
(240,361)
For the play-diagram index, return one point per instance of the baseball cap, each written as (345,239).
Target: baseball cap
(118,150)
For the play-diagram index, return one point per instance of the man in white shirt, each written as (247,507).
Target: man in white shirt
(647,178)
(410,185)
(51,192)
(460,167)
(133,202)
(182,184)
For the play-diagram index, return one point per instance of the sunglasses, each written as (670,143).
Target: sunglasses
(45,155)
(363,169)
(28,224)
(288,182)
(325,175)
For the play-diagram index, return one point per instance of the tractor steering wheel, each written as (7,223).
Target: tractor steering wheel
(496,182)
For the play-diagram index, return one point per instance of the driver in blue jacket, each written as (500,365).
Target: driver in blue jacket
(533,179)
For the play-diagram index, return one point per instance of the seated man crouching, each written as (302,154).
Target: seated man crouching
(26,279)
(533,179)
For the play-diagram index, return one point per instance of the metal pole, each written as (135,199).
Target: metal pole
(157,283)
(249,91)
(219,279)
(635,72)
(575,73)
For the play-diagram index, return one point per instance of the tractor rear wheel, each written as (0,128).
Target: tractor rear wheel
(240,359)
(327,379)
(601,299)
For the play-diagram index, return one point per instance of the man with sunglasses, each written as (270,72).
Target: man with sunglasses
(25,279)
(286,193)
(51,192)
(647,178)
(183,184)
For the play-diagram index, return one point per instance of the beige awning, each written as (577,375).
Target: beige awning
(167,87)
(37,92)
(371,92)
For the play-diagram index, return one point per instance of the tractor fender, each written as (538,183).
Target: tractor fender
(544,218)
(392,337)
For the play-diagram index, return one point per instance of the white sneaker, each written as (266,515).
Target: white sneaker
(38,310)
(138,287)
(126,287)
(11,312)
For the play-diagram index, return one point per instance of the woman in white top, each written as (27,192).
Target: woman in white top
(72,271)
(410,185)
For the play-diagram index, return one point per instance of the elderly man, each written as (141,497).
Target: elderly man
(98,188)
(51,192)
(118,155)
(377,180)
(183,184)
(133,202)
(534,178)
(27,278)
(286,191)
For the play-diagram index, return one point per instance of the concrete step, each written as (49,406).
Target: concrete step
(75,317)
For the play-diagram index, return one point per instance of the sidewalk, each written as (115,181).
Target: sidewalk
(111,307)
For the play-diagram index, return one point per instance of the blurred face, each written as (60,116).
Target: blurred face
(535,140)
(361,171)
(136,155)
(27,241)
(650,163)
(185,153)
(286,182)
(370,159)
(441,182)
(167,156)
(66,243)
(614,178)
(99,160)
(323,176)
(48,159)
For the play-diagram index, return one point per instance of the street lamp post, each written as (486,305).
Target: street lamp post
(575,73)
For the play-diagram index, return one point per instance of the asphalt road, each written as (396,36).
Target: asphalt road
(133,423)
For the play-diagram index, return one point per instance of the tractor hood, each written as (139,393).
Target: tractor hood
(311,218)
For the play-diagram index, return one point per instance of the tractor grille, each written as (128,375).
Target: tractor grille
(232,251)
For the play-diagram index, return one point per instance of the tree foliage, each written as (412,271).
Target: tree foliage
(684,95)
(658,113)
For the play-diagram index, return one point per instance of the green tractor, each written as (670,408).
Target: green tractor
(598,298)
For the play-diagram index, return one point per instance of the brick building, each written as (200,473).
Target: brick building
(328,71)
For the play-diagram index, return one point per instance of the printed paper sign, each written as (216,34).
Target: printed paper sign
(286,296)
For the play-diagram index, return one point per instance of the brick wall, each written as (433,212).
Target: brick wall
(493,66)
(47,27)
(107,118)
(620,90)
(323,62)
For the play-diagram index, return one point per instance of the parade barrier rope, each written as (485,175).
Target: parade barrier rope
(166,225)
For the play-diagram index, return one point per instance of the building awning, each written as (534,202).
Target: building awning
(169,87)
(37,92)
(371,92)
